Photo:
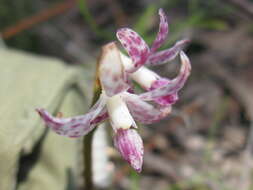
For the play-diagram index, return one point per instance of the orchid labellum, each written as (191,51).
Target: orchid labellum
(117,103)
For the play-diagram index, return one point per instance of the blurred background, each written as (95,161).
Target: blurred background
(207,142)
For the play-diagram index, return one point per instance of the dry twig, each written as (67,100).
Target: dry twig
(42,16)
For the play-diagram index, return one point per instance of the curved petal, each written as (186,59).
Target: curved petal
(162,33)
(130,145)
(111,73)
(175,85)
(167,55)
(164,100)
(135,46)
(167,100)
(143,111)
(76,126)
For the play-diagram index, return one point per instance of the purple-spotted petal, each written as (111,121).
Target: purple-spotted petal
(174,85)
(162,33)
(167,100)
(135,46)
(130,145)
(167,55)
(111,75)
(143,111)
(159,83)
(76,126)
(164,100)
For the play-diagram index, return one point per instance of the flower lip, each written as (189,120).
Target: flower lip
(130,146)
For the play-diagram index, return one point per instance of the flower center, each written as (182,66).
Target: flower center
(120,116)
(142,76)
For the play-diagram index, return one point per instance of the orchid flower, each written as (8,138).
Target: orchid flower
(116,103)
(162,90)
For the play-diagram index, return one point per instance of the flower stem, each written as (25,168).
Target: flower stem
(87,141)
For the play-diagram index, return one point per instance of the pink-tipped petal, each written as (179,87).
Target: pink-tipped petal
(164,100)
(111,75)
(162,33)
(76,126)
(130,146)
(135,46)
(167,55)
(174,85)
(143,111)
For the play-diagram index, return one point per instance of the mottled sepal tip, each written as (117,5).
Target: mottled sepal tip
(186,62)
(79,125)
(162,33)
(130,146)
(135,46)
